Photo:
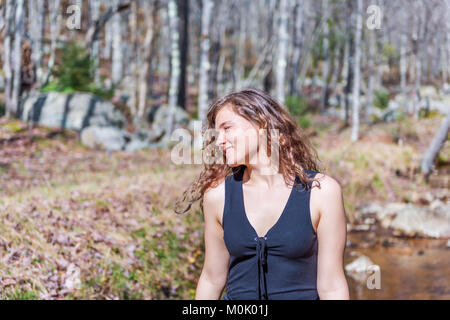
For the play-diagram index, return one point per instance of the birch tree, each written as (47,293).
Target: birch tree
(108,40)
(204,60)
(217,52)
(325,66)
(418,52)
(183,13)
(270,18)
(18,35)
(436,145)
(175,66)
(356,83)
(9,23)
(55,22)
(147,49)
(350,53)
(36,10)
(297,47)
(239,68)
(283,39)
(403,43)
(371,67)
(116,34)
(95,17)
(447,38)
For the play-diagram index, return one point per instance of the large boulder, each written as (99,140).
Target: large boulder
(410,220)
(158,116)
(432,221)
(73,111)
(105,138)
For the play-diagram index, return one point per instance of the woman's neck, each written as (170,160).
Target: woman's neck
(257,176)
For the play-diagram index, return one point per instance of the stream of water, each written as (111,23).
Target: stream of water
(410,268)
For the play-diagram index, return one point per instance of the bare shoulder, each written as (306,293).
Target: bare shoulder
(328,196)
(328,185)
(214,201)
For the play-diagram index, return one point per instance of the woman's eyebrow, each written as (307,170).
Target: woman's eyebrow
(224,123)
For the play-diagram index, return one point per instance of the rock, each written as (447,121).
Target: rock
(440,106)
(106,138)
(446,88)
(387,214)
(368,209)
(422,198)
(369,221)
(159,116)
(429,91)
(359,268)
(393,104)
(72,111)
(136,144)
(440,194)
(410,220)
(360,227)
(382,213)
(432,221)
(386,243)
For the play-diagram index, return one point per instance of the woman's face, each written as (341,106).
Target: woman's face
(237,137)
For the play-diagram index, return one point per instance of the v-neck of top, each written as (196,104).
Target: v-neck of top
(245,212)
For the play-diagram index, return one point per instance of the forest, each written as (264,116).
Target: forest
(92,91)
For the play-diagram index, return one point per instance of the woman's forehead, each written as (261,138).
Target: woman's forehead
(226,113)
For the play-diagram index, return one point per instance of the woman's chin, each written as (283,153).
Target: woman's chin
(232,162)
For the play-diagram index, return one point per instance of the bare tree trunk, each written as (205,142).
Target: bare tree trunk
(298,43)
(283,39)
(437,58)
(184,42)
(403,40)
(338,66)
(55,22)
(356,83)
(371,67)
(268,78)
(326,59)
(95,16)
(239,70)
(175,65)
(447,51)
(134,57)
(444,62)
(418,52)
(19,32)
(350,59)
(217,59)
(204,61)
(36,27)
(108,40)
(116,66)
(146,57)
(436,145)
(9,23)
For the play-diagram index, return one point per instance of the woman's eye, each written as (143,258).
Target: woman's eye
(226,128)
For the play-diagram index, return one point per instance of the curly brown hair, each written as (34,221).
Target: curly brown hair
(296,150)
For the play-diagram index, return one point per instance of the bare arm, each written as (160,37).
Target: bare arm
(331,234)
(215,269)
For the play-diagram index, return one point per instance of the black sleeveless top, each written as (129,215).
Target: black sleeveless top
(280,265)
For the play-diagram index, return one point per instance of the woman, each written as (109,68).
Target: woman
(268,236)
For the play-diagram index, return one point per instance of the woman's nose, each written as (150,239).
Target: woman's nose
(220,138)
